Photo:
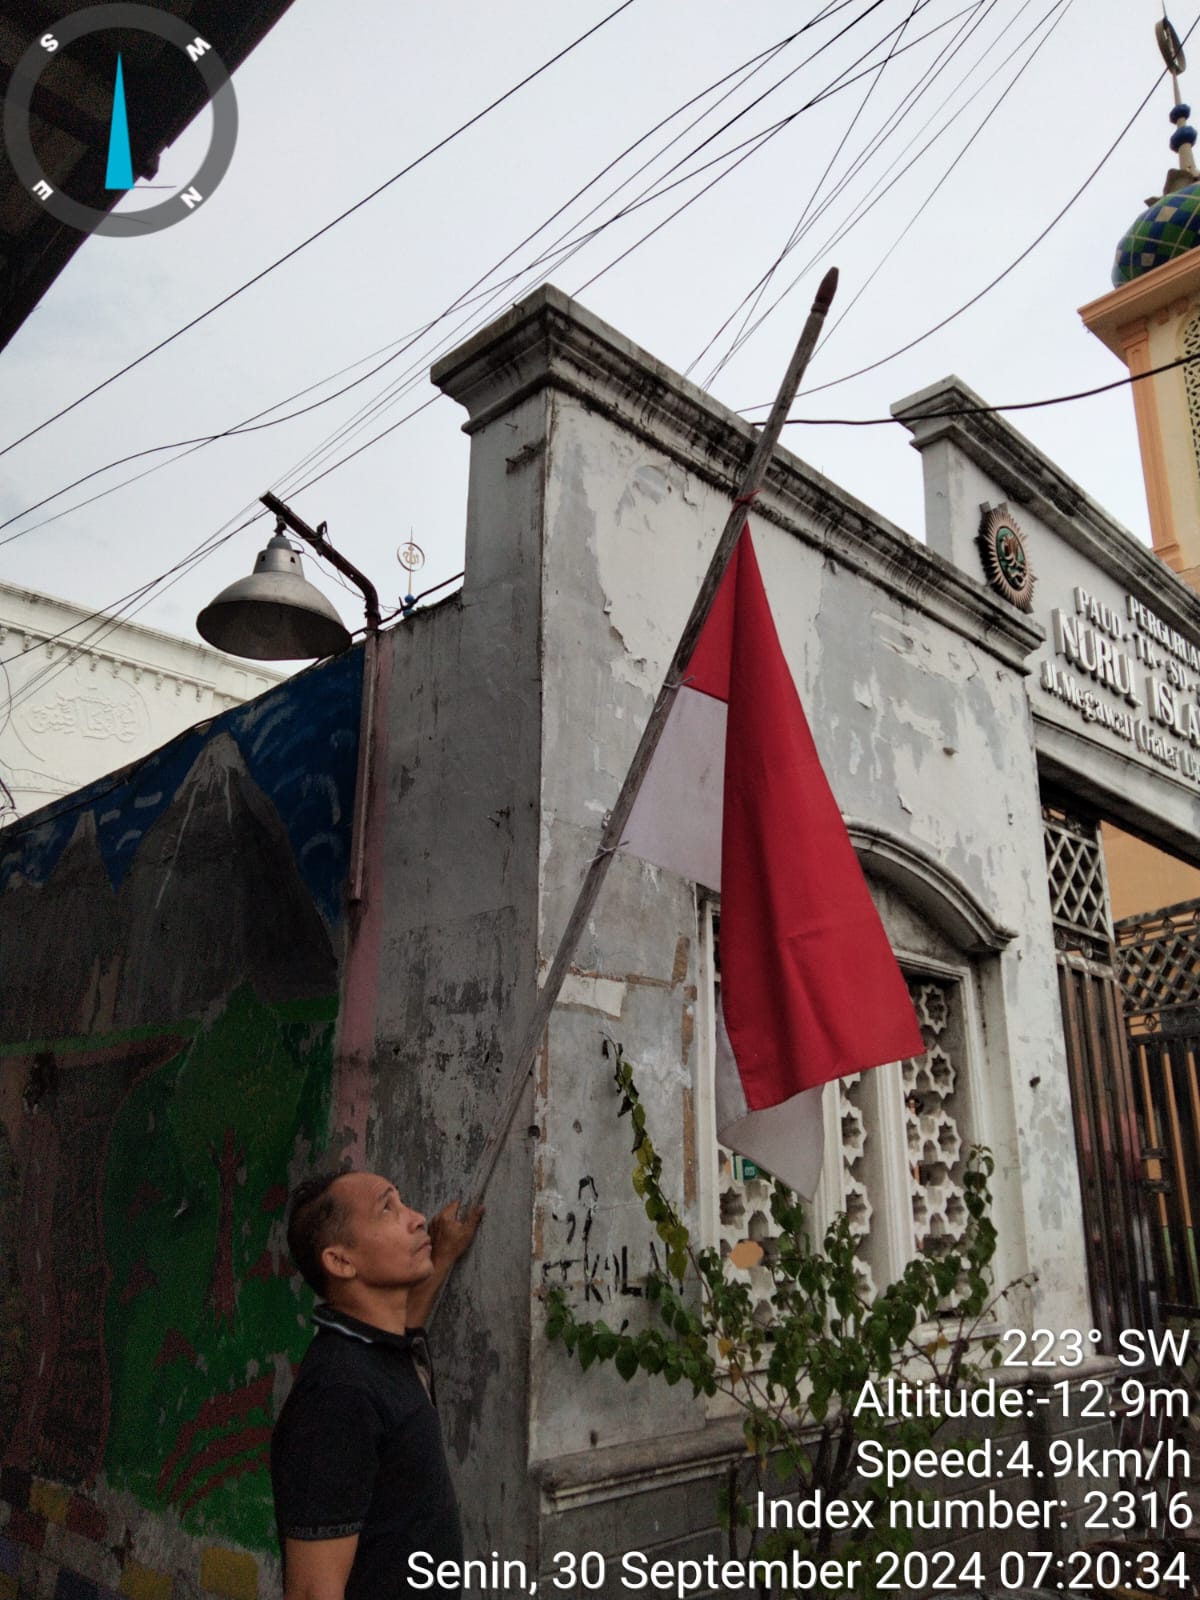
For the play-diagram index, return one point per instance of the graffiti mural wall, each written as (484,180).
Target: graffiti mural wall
(169,968)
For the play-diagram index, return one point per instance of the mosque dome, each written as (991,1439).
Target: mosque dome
(1169,228)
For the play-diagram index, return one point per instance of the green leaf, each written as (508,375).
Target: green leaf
(626,1361)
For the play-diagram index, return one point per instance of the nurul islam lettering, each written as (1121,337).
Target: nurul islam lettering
(1088,649)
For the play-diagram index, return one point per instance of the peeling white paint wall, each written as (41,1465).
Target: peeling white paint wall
(599,484)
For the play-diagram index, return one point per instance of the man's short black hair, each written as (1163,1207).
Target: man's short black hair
(316,1218)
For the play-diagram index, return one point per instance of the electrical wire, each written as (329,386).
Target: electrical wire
(750,68)
(758,141)
(883,361)
(115,613)
(807,219)
(553,257)
(253,424)
(185,447)
(855,116)
(753,142)
(1062,7)
(406,382)
(416,373)
(129,604)
(986,411)
(1063,11)
(197,553)
(840,422)
(320,233)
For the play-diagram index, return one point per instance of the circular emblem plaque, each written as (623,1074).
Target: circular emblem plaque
(1005,558)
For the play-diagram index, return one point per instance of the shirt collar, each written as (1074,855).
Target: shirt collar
(327,1317)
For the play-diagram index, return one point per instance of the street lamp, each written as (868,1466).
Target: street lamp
(276,614)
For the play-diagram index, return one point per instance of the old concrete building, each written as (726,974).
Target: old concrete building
(84,696)
(979,710)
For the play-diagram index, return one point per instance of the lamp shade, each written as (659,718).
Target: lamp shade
(275,614)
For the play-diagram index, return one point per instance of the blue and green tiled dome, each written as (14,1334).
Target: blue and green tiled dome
(1170,228)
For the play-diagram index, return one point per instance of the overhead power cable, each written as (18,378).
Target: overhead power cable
(109,620)
(759,140)
(553,256)
(985,411)
(655,190)
(185,447)
(749,68)
(130,603)
(760,288)
(945,322)
(320,233)
(140,597)
(749,146)
(808,219)
(1054,16)
(206,546)
(326,472)
(1062,7)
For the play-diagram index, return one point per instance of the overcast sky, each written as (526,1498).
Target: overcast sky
(330,109)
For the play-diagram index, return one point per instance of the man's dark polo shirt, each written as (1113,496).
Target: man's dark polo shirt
(358,1449)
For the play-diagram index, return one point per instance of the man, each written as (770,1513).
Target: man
(357,1463)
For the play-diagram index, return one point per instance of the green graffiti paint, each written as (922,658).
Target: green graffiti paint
(202,1314)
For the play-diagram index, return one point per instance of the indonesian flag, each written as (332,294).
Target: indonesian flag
(735,799)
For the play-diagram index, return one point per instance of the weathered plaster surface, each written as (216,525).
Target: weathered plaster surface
(913,679)
(456,841)
(975,461)
(972,462)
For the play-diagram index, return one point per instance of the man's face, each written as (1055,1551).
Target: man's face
(387,1244)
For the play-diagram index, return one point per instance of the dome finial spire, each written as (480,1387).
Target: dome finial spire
(1170,225)
(1184,137)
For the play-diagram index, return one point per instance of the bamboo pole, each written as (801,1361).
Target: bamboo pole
(597,871)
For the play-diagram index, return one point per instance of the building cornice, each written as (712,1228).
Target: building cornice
(44,622)
(1172,284)
(549,342)
(1028,478)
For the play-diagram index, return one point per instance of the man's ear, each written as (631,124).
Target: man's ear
(336,1262)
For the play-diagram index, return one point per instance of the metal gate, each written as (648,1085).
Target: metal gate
(1106,1115)
(1159,965)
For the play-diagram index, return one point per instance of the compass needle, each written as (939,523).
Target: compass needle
(155,121)
(119,174)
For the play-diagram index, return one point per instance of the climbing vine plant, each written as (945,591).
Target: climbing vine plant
(811,1384)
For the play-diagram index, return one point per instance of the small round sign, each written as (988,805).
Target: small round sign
(1005,558)
(411,557)
(18,102)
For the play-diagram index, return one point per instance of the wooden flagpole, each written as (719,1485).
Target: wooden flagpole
(619,815)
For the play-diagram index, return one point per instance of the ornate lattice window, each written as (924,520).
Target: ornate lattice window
(1189,345)
(903,1131)
(1158,963)
(1078,886)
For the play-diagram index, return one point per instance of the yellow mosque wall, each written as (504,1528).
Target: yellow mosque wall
(1144,324)
(1142,878)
